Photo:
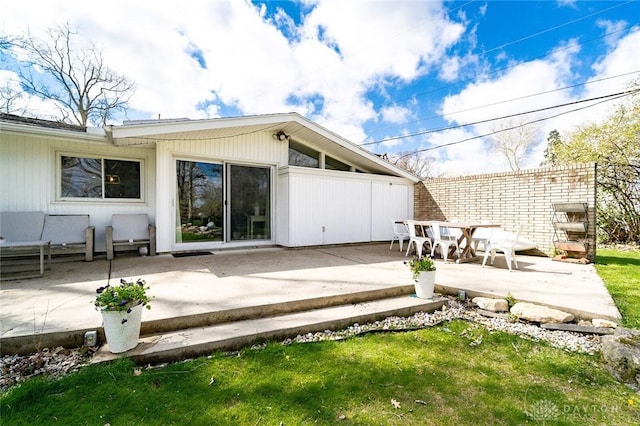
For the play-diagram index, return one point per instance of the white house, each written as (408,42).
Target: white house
(206,184)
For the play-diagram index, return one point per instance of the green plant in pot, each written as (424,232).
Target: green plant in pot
(121,308)
(424,275)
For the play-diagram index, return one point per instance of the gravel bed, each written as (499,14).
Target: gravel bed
(570,341)
(48,362)
(59,361)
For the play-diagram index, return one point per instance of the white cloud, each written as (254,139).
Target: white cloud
(467,158)
(621,59)
(567,3)
(323,69)
(330,67)
(395,114)
(613,29)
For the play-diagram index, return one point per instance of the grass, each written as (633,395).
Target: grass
(433,376)
(620,271)
(439,376)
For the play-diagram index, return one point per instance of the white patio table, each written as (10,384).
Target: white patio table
(467,229)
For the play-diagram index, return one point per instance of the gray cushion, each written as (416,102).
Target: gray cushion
(66,229)
(130,227)
(21,226)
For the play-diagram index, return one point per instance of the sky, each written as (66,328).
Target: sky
(393,76)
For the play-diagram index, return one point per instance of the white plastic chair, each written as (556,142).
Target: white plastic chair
(415,239)
(506,245)
(481,236)
(400,233)
(443,238)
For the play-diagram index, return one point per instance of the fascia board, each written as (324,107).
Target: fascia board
(160,128)
(95,135)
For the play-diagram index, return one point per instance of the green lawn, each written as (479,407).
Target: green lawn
(620,270)
(456,373)
(434,376)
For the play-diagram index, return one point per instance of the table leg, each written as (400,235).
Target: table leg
(42,260)
(467,253)
(49,256)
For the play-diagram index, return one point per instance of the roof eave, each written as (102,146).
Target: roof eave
(120,134)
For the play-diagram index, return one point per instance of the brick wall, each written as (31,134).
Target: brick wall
(522,197)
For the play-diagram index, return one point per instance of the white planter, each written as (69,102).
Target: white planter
(122,336)
(425,284)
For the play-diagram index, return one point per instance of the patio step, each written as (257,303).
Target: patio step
(194,342)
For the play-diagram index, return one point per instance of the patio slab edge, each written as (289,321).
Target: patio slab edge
(612,313)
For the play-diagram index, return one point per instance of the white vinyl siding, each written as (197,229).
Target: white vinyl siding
(329,207)
(390,202)
(310,206)
(29,178)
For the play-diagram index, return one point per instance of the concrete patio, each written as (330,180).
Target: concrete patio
(228,286)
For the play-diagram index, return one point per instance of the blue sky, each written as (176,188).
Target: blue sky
(386,74)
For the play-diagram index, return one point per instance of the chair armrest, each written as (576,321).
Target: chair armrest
(152,240)
(89,235)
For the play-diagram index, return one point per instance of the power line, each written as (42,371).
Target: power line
(491,73)
(503,117)
(573,86)
(558,26)
(510,100)
(607,99)
(396,102)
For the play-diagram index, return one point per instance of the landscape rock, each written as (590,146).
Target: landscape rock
(542,314)
(491,314)
(603,323)
(577,328)
(621,351)
(489,304)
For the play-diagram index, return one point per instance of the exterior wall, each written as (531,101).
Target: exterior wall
(29,176)
(523,197)
(309,206)
(330,207)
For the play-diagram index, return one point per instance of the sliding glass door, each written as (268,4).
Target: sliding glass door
(203,215)
(250,202)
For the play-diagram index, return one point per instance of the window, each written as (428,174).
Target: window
(302,155)
(99,178)
(333,164)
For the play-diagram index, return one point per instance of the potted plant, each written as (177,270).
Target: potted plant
(424,275)
(121,307)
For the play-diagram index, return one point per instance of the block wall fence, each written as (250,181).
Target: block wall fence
(521,197)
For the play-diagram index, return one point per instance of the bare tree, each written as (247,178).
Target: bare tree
(85,89)
(414,162)
(513,141)
(11,98)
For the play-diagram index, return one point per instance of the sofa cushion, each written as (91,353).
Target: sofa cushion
(21,226)
(66,229)
(130,227)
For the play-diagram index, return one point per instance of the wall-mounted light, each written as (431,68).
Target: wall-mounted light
(281,136)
